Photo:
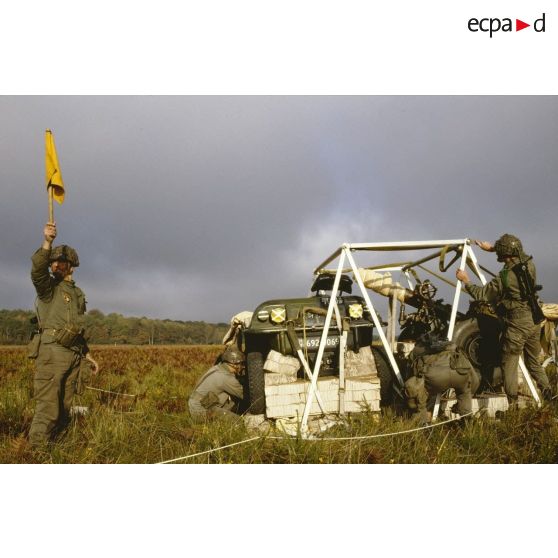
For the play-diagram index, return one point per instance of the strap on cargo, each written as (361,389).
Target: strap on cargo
(445,250)
(291,334)
(295,343)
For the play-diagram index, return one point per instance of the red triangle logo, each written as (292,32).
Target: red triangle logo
(519,25)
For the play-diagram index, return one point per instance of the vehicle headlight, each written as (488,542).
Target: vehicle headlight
(355,311)
(263,315)
(278,314)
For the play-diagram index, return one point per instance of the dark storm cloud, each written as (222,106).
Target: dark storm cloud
(198,207)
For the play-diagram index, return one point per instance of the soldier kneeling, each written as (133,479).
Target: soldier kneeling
(438,365)
(219,392)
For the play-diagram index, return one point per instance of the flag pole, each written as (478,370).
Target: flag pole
(50,208)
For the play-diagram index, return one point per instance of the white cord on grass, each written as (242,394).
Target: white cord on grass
(108,391)
(345,438)
(209,451)
(316,439)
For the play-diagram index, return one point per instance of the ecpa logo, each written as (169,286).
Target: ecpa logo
(493,25)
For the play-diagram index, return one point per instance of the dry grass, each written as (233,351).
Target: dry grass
(154,424)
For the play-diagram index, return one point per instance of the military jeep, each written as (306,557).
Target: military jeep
(275,321)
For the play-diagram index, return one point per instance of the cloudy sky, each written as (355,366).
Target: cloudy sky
(195,208)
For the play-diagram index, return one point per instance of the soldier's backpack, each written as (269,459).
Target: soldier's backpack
(433,354)
(441,362)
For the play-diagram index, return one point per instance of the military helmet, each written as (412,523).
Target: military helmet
(508,245)
(232,355)
(64,253)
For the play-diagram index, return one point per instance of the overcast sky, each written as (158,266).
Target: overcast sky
(195,208)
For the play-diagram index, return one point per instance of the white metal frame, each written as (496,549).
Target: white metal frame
(345,253)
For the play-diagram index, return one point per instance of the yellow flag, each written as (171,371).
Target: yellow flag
(53,173)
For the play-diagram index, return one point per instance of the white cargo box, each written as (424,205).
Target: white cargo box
(484,405)
(289,399)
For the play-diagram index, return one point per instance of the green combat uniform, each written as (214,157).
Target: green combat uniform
(435,373)
(60,311)
(217,393)
(521,335)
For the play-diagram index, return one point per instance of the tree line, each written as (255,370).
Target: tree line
(16,328)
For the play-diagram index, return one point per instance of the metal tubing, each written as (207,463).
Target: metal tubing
(411,245)
(342,347)
(453,316)
(321,348)
(475,265)
(438,276)
(330,259)
(385,343)
(386,267)
(392,319)
(295,343)
(409,280)
(385,246)
(427,258)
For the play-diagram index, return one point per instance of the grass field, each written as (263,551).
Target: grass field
(146,420)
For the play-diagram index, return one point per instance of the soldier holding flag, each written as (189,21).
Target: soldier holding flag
(63,353)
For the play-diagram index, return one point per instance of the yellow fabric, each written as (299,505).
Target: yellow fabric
(53,174)
(550,311)
(381,283)
(547,338)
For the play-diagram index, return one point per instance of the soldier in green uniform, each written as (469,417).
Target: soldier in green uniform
(437,366)
(218,392)
(60,309)
(521,333)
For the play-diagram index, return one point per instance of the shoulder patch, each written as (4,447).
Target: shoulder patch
(504,277)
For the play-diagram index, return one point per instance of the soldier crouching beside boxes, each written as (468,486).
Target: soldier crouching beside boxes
(59,347)
(437,366)
(219,392)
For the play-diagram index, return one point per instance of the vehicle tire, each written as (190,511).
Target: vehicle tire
(388,395)
(255,383)
(479,339)
(467,337)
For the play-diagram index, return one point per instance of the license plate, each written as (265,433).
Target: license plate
(314,342)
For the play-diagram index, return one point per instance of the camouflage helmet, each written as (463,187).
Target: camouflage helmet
(64,253)
(232,355)
(508,245)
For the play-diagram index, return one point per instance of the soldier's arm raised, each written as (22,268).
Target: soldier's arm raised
(491,292)
(40,275)
(50,234)
(485,245)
